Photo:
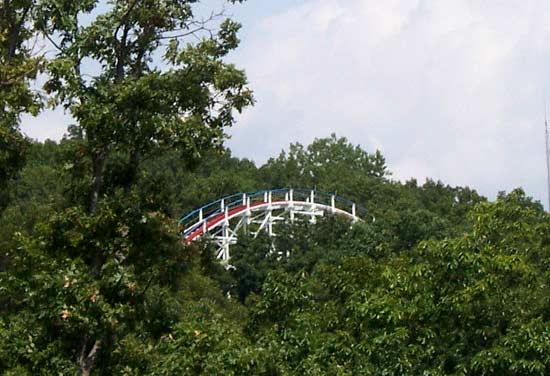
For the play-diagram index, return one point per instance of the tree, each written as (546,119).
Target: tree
(17,67)
(138,104)
(81,284)
(476,304)
(37,193)
(89,278)
(327,163)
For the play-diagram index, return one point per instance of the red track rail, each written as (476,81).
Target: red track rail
(221,216)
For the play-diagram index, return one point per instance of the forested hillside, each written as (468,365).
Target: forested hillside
(442,282)
(96,279)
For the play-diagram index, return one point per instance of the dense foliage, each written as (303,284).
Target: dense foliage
(442,282)
(95,278)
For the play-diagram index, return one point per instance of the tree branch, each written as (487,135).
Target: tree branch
(87,362)
(192,32)
(124,18)
(51,40)
(15,30)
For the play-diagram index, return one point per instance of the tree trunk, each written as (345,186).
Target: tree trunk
(98,164)
(14,32)
(133,167)
(87,362)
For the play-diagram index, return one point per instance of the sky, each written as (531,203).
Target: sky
(450,90)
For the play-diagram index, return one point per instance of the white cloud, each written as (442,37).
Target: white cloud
(449,89)
(50,124)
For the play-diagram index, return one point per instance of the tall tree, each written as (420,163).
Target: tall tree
(138,77)
(137,102)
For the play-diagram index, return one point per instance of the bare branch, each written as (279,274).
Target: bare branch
(58,47)
(183,35)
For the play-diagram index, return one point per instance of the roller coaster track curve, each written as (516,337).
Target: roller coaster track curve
(222,219)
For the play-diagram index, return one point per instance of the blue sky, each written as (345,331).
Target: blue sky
(451,90)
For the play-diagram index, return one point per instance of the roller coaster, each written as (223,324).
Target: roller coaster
(222,220)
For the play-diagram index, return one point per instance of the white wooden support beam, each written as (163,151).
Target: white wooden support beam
(312,209)
(291,205)
(270,218)
(248,213)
